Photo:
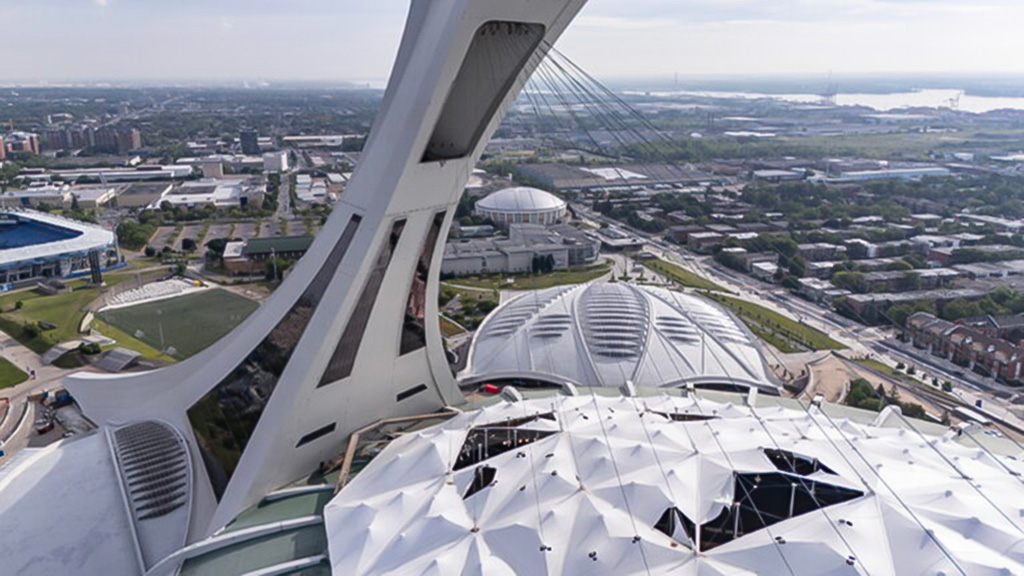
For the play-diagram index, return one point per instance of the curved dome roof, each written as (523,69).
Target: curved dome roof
(670,485)
(525,200)
(604,334)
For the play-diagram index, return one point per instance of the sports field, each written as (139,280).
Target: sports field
(189,324)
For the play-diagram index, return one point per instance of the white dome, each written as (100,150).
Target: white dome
(522,200)
(668,485)
(603,334)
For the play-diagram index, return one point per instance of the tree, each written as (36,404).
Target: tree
(188,245)
(852,281)
(150,252)
(133,235)
(961,308)
(899,314)
(913,410)
(908,283)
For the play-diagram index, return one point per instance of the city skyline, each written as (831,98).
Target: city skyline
(232,40)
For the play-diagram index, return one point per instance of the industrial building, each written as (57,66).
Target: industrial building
(136,174)
(567,247)
(250,256)
(275,162)
(62,196)
(143,194)
(893,174)
(631,176)
(219,193)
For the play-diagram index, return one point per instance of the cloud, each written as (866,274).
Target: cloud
(618,23)
(101,3)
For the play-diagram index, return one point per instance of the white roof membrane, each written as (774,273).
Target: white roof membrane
(585,488)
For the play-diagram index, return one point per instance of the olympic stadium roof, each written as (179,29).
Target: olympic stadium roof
(678,485)
(605,334)
(522,199)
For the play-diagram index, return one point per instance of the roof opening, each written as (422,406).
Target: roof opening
(674,524)
(787,461)
(485,442)
(483,477)
(761,500)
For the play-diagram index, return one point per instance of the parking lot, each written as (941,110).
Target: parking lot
(270,229)
(162,237)
(246,230)
(217,231)
(191,231)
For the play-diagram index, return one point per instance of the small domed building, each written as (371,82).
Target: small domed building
(522,205)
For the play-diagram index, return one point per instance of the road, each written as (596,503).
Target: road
(284,197)
(867,341)
(47,378)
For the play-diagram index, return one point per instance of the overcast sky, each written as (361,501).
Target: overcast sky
(60,40)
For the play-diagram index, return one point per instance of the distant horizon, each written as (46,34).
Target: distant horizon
(334,40)
(756,81)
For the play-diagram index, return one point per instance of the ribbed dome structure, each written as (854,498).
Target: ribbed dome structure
(605,334)
(522,206)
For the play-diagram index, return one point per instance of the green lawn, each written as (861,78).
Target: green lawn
(907,144)
(879,367)
(534,281)
(189,323)
(10,375)
(64,310)
(784,333)
(682,276)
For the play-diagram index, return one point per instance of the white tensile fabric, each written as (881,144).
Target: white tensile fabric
(585,499)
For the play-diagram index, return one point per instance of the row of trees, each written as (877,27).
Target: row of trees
(1002,301)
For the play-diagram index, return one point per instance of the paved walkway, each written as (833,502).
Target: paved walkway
(47,377)
(26,361)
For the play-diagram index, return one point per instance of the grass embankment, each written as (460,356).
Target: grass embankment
(10,375)
(682,276)
(786,334)
(65,311)
(534,281)
(882,368)
(449,328)
(128,341)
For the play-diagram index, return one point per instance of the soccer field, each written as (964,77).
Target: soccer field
(189,324)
